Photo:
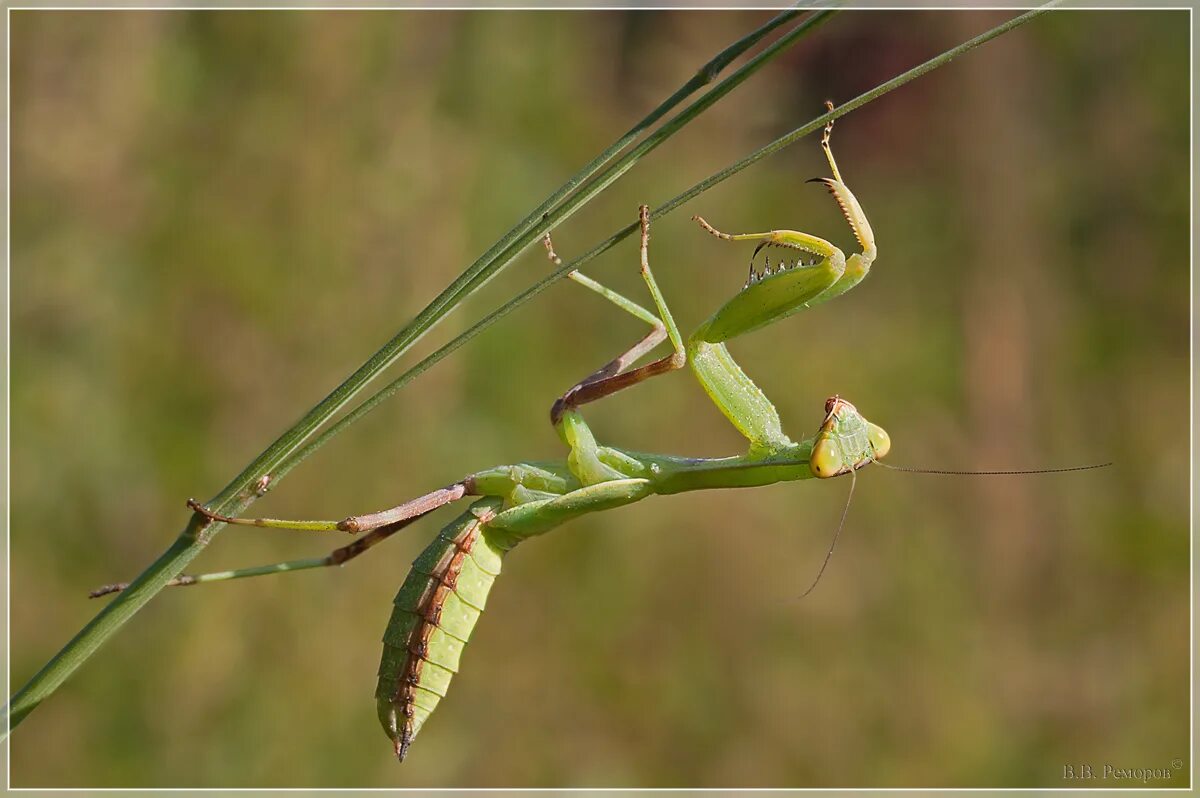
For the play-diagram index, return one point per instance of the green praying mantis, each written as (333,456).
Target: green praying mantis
(446,591)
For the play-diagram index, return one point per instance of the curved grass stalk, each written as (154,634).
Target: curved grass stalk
(285,452)
(290,449)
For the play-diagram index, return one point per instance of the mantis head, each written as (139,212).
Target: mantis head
(846,441)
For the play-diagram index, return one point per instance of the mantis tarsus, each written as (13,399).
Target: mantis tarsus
(441,599)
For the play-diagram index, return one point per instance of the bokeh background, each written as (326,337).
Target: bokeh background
(216,216)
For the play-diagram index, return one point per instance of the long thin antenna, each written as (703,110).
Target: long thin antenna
(992,473)
(842,523)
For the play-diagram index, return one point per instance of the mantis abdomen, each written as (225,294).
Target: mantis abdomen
(432,620)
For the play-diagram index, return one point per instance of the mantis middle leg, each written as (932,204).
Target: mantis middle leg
(616,375)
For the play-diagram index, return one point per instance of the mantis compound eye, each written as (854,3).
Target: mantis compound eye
(881,442)
(824,460)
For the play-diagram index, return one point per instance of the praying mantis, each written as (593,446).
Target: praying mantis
(441,600)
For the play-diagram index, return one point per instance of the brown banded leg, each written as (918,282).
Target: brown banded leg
(412,509)
(612,376)
(591,389)
(338,556)
(378,526)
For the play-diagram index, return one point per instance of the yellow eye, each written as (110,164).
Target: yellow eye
(824,461)
(880,441)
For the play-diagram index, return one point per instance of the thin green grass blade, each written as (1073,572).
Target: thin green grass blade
(289,449)
(282,455)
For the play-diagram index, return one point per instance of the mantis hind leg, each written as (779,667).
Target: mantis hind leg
(410,510)
(339,556)
(514,484)
(616,375)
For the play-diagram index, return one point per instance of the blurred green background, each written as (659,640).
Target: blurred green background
(216,216)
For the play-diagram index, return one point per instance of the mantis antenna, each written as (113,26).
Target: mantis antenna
(836,534)
(854,479)
(994,473)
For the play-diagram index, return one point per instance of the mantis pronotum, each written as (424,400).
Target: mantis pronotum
(441,599)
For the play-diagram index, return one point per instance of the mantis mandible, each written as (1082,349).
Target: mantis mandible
(444,594)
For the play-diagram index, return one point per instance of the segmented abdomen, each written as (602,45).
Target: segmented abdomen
(434,614)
